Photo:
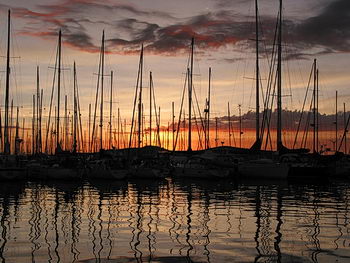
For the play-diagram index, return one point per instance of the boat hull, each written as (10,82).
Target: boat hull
(12,174)
(263,170)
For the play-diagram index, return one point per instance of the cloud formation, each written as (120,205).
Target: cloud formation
(330,29)
(220,28)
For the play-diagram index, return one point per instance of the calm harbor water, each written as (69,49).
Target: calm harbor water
(174,221)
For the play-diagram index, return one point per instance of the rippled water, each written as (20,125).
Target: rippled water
(174,221)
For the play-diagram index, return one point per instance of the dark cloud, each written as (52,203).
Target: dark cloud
(211,31)
(329,29)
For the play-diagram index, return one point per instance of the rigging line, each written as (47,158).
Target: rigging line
(272,65)
(270,116)
(198,130)
(302,110)
(51,99)
(269,110)
(344,134)
(307,124)
(96,100)
(79,113)
(155,112)
(180,115)
(199,111)
(134,107)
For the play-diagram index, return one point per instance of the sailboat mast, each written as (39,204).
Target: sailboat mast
(110,112)
(40,120)
(17,141)
(58,90)
(190,86)
(240,126)
(279,82)
(140,101)
(317,121)
(37,110)
(257,109)
(89,129)
(229,124)
(345,131)
(208,109)
(118,131)
(33,126)
(66,123)
(314,108)
(7,91)
(102,77)
(75,109)
(216,132)
(173,120)
(336,121)
(1,138)
(150,107)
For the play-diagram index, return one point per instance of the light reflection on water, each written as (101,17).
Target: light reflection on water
(174,221)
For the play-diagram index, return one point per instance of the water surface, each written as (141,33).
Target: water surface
(174,221)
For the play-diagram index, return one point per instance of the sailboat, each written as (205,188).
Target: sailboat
(104,166)
(142,166)
(9,164)
(62,165)
(266,168)
(193,165)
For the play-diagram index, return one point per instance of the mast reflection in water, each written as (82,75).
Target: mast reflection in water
(174,221)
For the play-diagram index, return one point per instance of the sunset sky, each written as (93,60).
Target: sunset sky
(223,30)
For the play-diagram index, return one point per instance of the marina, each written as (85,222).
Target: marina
(190,178)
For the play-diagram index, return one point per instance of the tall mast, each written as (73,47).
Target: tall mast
(150,107)
(336,120)
(216,132)
(11,120)
(6,131)
(118,131)
(257,77)
(37,110)
(208,109)
(240,126)
(75,109)
(229,124)
(17,140)
(58,90)
(173,120)
(279,82)
(40,120)
(317,122)
(66,125)
(345,131)
(33,126)
(314,108)
(190,86)
(159,143)
(23,125)
(89,129)
(110,112)
(102,75)
(140,101)
(1,138)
